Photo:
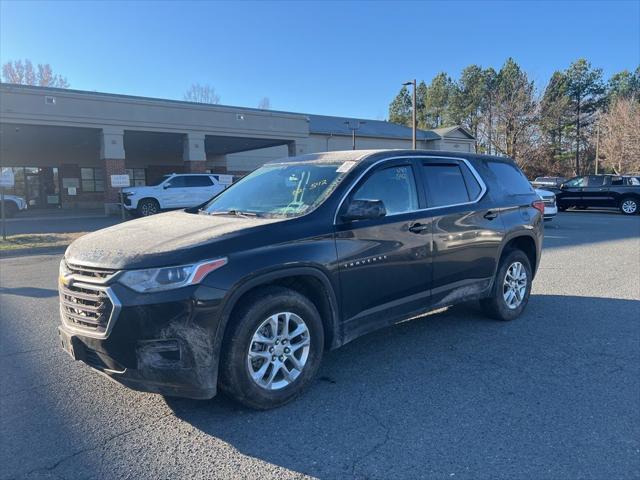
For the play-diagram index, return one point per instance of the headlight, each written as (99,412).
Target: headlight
(169,278)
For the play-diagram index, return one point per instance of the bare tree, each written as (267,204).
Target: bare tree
(202,94)
(23,73)
(621,138)
(265,103)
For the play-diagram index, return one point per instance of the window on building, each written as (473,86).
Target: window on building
(92,179)
(137,176)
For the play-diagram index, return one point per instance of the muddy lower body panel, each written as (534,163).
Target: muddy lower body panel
(160,344)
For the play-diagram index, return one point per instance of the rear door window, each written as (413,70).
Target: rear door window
(510,179)
(198,181)
(445,184)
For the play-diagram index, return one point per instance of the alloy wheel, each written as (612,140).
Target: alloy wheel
(514,285)
(629,207)
(278,351)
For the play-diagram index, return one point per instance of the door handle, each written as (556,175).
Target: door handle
(418,227)
(490,215)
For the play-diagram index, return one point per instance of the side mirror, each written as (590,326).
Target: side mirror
(364,210)
(561,186)
(165,186)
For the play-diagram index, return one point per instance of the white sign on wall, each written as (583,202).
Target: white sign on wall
(225,179)
(7,179)
(120,181)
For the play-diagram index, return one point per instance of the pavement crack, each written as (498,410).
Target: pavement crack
(100,445)
(377,446)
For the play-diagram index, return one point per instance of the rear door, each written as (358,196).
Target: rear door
(467,231)
(596,193)
(385,263)
(198,189)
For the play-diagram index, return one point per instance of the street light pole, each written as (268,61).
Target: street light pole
(413,113)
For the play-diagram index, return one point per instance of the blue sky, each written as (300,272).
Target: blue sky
(336,58)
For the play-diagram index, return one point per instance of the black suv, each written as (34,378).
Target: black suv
(622,192)
(306,254)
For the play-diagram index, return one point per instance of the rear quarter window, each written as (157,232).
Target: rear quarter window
(510,178)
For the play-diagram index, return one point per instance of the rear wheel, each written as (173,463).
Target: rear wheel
(272,349)
(147,207)
(511,288)
(629,206)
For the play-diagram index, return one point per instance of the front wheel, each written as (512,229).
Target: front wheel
(272,349)
(629,206)
(147,207)
(511,289)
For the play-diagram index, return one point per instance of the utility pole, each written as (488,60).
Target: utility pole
(413,113)
(597,143)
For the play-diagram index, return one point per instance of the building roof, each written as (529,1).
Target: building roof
(318,124)
(445,131)
(328,125)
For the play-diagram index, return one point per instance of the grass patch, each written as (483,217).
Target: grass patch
(38,240)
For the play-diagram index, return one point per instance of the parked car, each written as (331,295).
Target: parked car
(548,181)
(13,204)
(302,255)
(622,192)
(550,207)
(171,192)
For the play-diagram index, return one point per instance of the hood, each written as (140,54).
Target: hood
(544,193)
(171,238)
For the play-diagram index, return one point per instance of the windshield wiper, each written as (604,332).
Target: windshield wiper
(237,213)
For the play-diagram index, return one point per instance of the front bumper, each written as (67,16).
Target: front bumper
(160,343)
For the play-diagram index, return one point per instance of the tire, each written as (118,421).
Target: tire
(148,207)
(496,306)
(629,206)
(242,337)
(10,209)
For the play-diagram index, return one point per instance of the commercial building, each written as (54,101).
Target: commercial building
(64,144)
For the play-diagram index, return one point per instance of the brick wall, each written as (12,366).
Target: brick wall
(112,166)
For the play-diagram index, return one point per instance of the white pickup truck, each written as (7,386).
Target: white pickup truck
(170,192)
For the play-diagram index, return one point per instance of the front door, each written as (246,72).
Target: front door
(42,187)
(385,264)
(571,192)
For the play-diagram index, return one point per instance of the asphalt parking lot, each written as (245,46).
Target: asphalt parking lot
(554,394)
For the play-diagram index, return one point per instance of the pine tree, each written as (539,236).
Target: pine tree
(400,108)
(585,89)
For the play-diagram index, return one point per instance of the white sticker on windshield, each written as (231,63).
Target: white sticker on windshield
(345,167)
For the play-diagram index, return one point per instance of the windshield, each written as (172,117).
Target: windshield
(279,190)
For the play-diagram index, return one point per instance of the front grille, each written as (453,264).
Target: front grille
(85,307)
(90,273)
